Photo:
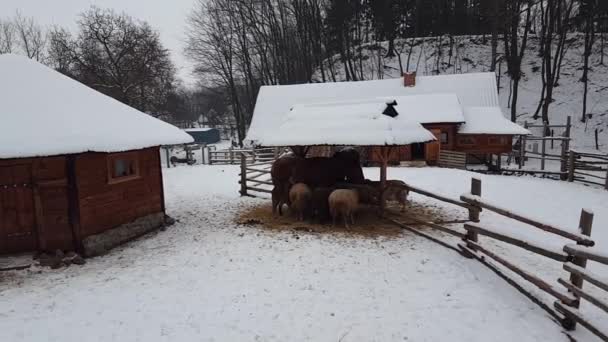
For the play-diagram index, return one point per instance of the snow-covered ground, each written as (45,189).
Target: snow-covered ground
(209,279)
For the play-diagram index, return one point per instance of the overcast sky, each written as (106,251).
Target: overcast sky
(166,16)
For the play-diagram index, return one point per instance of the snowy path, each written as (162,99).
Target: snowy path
(207,279)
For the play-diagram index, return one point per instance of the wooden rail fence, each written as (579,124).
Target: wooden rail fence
(255,176)
(588,168)
(573,256)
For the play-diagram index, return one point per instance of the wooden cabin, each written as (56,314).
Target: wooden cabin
(462,111)
(78,170)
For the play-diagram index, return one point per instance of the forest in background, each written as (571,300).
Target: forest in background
(240,45)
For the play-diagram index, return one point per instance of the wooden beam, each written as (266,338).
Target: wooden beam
(529,246)
(582,294)
(259,190)
(500,272)
(541,284)
(594,279)
(586,253)
(438,197)
(434,225)
(577,316)
(476,201)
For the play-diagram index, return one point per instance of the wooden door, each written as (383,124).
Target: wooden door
(433,148)
(17,211)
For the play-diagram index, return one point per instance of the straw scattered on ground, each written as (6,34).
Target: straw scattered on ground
(367,221)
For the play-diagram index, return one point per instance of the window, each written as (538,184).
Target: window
(444,137)
(122,167)
(497,141)
(466,141)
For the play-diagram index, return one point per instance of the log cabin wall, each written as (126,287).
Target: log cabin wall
(484,144)
(34,208)
(449,134)
(106,204)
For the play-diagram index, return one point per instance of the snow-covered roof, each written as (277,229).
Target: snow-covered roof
(274,102)
(489,120)
(44,113)
(346,123)
(430,108)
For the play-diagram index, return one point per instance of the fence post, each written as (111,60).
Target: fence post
(522,155)
(597,143)
(564,161)
(243,174)
(231,156)
(571,167)
(474,212)
(585,225)
(203,153)
(521,152)
(167,156)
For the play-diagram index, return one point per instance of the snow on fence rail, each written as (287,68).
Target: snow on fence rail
(573,256)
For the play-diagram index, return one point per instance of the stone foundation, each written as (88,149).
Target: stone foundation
(101,243)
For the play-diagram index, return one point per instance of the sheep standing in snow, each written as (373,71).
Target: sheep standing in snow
(300,196)
(343,202)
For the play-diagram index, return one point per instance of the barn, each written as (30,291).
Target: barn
(78,170)
(462,111)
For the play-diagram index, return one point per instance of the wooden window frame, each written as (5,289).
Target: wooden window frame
(447,138)
(461,143)
(111,159)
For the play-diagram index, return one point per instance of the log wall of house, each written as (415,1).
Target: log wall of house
(484,144)
(34,207)
(104,205)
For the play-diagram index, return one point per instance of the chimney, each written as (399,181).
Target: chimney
(409,79)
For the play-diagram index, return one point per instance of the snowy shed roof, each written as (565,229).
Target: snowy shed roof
(273,102)
(346,123)
(489,120)
(44,113)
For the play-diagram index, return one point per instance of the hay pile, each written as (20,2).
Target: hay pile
(367,221)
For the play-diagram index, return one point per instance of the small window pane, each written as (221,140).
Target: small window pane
(444,138)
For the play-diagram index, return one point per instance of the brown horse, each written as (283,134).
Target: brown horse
(343,166)
(280,172)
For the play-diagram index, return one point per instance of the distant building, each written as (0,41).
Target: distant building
(462,111)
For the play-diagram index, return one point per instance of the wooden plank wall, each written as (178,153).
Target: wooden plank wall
(482,144)
(104,206)
(43,205)
(452,159)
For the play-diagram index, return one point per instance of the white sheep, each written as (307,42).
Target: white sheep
(300,197)
(343,202)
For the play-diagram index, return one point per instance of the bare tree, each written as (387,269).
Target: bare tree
(588,11)
(7,36)
(30,37)
(556,18)
(514,48)
(117,56)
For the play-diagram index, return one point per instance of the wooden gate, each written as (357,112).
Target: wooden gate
(433,148)
(17,210)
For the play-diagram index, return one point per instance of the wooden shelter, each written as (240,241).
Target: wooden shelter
(78,170)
